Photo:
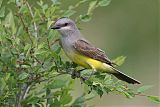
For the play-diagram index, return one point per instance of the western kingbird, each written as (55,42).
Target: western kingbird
(83,53)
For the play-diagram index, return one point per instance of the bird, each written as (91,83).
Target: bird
(84,53)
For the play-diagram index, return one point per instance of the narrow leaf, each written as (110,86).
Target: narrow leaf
(92,6)
(69,13)
(85,18)
(1,2)
(154,98)
(23,76)
(144,88)
(65,97)
(9,22)
(119,60)
(57,84)
(89,96)
(2,12)
(104,2)
(82,1)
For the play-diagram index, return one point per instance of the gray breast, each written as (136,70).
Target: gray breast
(67,45)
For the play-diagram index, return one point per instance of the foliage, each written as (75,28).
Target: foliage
(32,70)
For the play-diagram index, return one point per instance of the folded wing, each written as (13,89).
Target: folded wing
(87,49)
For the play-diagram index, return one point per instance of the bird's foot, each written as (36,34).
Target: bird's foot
(87,77)
(75,75)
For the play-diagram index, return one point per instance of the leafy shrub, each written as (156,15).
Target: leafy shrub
(32,72)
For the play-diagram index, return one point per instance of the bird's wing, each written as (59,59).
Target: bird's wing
(87,49)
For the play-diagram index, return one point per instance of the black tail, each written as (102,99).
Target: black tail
(125,77)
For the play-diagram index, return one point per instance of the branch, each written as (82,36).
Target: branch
(57,40)
(23,23)
(37,60)
(23,93)
(34,23)
(71,71)
(140,94)
(48,44)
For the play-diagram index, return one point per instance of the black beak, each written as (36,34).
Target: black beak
(55,27)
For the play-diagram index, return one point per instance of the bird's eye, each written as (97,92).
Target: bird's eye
(65,24)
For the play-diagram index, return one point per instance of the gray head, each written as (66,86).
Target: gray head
(65,26)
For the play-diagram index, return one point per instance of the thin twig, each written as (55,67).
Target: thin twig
(51,77)
(37,60)
(26,91)
(23,23)
(57,40)
(140,94)
(32,15)
(23,93)
(48,44)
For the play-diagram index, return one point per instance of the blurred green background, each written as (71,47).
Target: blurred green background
(129,28)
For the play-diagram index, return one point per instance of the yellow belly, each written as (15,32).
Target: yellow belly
(86,62)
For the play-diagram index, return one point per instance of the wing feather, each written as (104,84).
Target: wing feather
(91,51)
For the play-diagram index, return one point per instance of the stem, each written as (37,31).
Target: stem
(37,60)
(34,23)
(57,40)
(140,94)
(23,93)
(48,44)
(23,23)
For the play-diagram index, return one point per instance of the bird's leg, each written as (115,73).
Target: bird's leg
(76,74)
(93,72)
(86,78)
(82,79)
(81,70)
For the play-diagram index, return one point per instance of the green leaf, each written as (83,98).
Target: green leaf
(128,95)
(89,96)
(3,84)
(32,99)
(1,2)
(20,31)
(58,83)
(11,1)
(65,97)
(55,55)
(107,90)
(83,1)
(104,2)
(144,88)
(23,9)
(9,22)
(49,23)
(69,13)
(57,49)
(98,88)
(2,12)
(23,76)
(7,76)
(92,6)
(44,7)
(55,1)
(119,60)
(154,98)
(79,100)
(85,18)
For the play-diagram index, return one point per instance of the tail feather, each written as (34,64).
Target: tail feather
(125,77)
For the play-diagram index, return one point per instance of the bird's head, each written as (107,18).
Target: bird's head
(64,25)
